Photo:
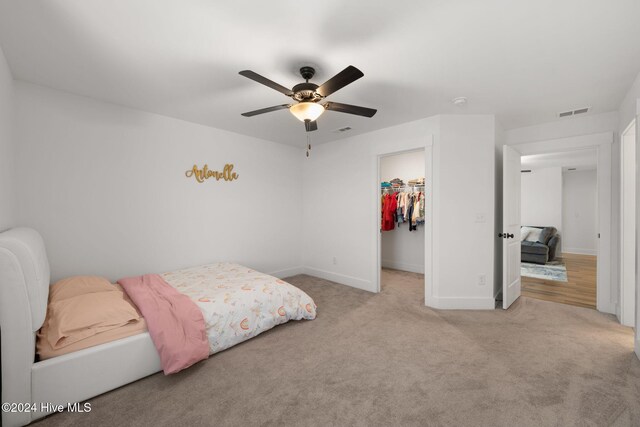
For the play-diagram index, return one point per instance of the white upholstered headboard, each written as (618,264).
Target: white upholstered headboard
(23,262)
(24,290)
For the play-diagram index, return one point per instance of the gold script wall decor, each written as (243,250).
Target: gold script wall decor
(200,175)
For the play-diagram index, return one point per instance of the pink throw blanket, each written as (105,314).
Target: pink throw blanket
(175,322)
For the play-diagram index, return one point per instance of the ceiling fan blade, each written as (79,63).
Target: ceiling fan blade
(340,80)
(265,81)
(310,126)
(350,109)
(266,110)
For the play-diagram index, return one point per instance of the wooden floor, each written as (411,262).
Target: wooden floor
(580,289)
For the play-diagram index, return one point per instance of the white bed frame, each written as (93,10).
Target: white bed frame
(74,377)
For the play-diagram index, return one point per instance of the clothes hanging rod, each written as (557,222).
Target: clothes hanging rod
(404,187)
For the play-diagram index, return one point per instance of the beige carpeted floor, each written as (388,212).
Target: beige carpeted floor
(387,360)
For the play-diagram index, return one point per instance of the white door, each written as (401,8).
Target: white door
(510,233)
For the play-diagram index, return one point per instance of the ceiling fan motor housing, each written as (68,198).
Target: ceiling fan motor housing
(306,92)
(307,72)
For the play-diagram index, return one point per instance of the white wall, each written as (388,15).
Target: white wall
(106,187)
(629,232)
(403,249)
(542,198)
(630,109)
(562,128)
(629,106)
(405,166)
(463,167)
(579,212)
(7,148)
(466,157)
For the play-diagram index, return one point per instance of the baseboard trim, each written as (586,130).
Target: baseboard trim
(287,272)
(579,251)
(413,268)
(446,303)
(343,279)
(449,303)
(608,307)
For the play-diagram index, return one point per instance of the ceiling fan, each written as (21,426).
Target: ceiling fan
(309,95)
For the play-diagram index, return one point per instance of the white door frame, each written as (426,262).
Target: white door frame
(429,226)
(605,297)
(637,329)
(627,317)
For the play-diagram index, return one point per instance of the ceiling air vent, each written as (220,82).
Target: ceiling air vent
(344,129)
(571,169)
(573,112)
(525,171)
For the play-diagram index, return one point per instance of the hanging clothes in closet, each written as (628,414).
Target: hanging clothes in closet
(389,206)
(413,209)
(400,204)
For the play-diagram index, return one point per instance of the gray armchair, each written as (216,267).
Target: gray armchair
(542,251)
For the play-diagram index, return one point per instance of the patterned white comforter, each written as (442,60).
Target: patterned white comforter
(239,303)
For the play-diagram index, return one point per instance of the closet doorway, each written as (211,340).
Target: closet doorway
(403,211)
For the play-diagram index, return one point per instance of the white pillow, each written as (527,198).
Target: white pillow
(534,235)
(524,232)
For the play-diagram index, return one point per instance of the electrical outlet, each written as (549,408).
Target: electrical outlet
(482,280)
(335,261)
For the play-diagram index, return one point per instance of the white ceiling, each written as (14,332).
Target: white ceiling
(521,60)
(579,159)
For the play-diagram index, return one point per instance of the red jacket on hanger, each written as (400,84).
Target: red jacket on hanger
(389,206)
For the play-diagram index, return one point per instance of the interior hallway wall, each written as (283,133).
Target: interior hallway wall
(579,212)
(106,187)
(542,198)
(8,195)
(403,249)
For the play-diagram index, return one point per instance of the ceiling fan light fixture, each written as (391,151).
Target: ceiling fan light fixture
(307,111)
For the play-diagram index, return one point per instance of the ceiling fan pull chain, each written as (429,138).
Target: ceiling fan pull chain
(308,143)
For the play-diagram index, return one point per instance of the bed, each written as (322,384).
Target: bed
(82,374)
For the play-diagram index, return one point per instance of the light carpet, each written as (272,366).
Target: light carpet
(555,271)
(386,360)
